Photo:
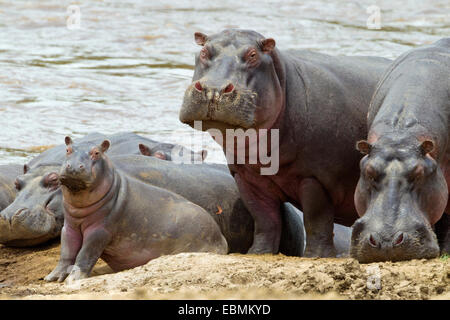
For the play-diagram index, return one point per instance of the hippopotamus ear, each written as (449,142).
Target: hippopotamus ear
(26,168)
(200,38)
(426,147)
(363,146)
(145,150)
(105,146)
(68,141)
(267,45)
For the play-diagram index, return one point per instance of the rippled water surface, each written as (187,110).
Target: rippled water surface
(126,68)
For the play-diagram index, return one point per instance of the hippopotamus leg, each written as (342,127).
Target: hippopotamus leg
(293,237)
(319,217)
(71,241)
(292,241)
(442,228)
(266,237)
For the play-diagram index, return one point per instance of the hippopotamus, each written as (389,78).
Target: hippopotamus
(168,151)
(207,185)
(123,143)
(36,215)
(8,174)
(403,187)
(309,107)
(124,221)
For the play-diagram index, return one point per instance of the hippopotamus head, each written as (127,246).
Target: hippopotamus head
(84,166)
(164,151)
(400,195)
(236,83)
(36,214)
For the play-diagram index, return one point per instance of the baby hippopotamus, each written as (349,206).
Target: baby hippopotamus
(125,222)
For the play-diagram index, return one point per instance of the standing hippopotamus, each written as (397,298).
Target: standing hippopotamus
(318,103)
(124,221)
(36,214)
(405,173)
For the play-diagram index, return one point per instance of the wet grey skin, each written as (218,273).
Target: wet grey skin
(319,104)
(36,214)
(110,215)
(403,187)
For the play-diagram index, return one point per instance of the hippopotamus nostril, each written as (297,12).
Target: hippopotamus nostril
(198,86)
(68,166)
(373,242)
(398,240)
(81,166)
(228,89)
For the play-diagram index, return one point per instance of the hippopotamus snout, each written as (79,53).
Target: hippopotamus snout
(214,90)
(220,101)
(372,244)
(74,168)
(25,227)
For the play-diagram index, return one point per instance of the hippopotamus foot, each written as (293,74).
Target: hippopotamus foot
(264,243)
(76,274)
(318,219)
(60,273)
(320,250)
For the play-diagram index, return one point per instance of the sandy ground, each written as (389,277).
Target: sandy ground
(212,276)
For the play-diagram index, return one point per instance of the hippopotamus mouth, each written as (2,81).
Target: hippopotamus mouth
(48,202)
(74,184)
(235,110)
(220,125)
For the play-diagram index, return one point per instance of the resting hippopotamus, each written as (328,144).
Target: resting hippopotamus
(36,215)
(8,174)
(311,107)
(124,221)
(168,151)
(122,142)
(207,185)
(405,173)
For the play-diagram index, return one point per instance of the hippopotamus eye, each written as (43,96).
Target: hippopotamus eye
(371,173)
(417,172)
(252,57)
(69,150)
(51,180)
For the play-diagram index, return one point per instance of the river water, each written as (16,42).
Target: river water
(125,66)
